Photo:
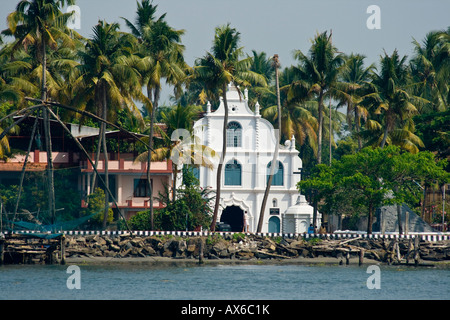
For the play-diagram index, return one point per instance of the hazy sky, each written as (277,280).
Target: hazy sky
(280,26)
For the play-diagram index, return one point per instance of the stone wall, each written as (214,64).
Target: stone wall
(246,247)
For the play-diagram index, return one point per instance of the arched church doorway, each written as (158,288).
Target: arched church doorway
(274,225)
(234,216)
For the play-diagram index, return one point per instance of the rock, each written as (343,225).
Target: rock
(137,242)
(114,247)
(297,244)
(244,255)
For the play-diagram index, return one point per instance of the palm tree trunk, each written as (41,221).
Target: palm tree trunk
(388,118)
(97,158)
(275,155)
(330,128)
(222,158)
(47,134)
(150,148)
(105,163)
(385,135)
(358,127)
(319,135)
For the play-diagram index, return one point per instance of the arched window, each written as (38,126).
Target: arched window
(233,173)
(278,176)
(234,134)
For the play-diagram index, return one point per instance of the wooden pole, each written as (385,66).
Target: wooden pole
(200,251)
(63,249)
(2,246)
(416,250)
(361,256)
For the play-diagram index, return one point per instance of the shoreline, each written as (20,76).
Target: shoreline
(237,249)
(191,262)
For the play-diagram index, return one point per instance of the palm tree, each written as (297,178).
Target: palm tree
(162,53)
(389,99)
(298,119)
(41,23)
(107,82)
(276,66)
(217,69)
(354,78)
(179,121)
(430,69)
(318,75)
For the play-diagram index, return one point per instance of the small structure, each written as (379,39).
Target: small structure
(32,248)
(297,218)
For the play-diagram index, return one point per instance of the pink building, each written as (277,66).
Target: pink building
(127,178)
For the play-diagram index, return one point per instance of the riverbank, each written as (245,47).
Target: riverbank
(252,249)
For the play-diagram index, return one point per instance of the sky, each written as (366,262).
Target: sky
(280,26)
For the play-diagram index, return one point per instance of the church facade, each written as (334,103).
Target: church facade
(250,148)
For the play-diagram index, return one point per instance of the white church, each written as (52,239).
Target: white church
(250,148)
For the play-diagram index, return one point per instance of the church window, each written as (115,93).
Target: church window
(234,134)
(277,179)
(233,173)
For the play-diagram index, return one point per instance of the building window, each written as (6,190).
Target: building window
(278,174)
(141,189)
(234,134)
(233,173)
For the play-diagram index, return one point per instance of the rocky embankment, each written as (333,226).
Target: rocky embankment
(249,247)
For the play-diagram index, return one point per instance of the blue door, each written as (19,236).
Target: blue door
(274,225)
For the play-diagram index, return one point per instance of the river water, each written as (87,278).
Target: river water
(220,282)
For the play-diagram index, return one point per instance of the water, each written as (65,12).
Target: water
(222,282)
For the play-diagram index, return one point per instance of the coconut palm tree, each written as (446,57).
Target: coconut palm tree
(218,68)
(107,81)
(389,101)
(162,52)
(430,69)
(354,78)
(179,121)
(318,75)
(40,23)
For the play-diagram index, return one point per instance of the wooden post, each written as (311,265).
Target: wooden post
(2,246)
(409,251)
(200,251)
(361,256)
(63,249)
(416,250)
(347,258)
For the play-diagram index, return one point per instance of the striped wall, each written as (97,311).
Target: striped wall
(336,236)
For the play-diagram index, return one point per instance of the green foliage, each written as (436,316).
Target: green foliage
(434,130)
(189,211)
(372,177)
(34,196)
(96,205)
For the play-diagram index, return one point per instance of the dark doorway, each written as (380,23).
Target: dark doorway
(234,216)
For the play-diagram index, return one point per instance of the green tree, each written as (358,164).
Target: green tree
(318,75)
(162,52)
(96,207)
(430,70)
(391,105)
(373,177)
(189,211)
(354,78)
(41,23)
(107,81)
